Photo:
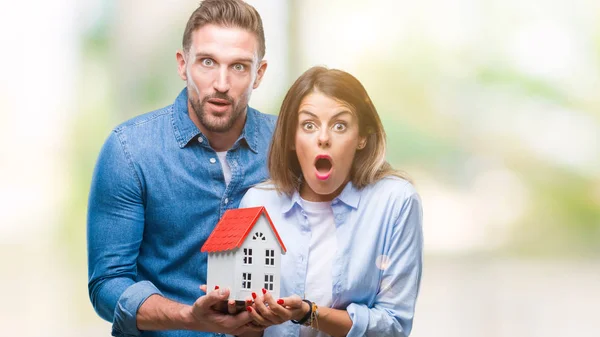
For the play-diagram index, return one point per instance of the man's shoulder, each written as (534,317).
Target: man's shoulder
(145,121)
(265,119)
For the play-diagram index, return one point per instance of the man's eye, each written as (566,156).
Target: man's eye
(339,127)
(207,62)
(239,67)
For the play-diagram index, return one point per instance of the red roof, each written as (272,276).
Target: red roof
(234,227)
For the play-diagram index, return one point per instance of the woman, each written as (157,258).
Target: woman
(352,225)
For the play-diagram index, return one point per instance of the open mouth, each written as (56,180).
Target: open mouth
(219,102)
(323,165)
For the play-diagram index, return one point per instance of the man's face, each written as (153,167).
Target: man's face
(221,69)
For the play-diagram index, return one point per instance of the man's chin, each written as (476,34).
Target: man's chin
(217,126)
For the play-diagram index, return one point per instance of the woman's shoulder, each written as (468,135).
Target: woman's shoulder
(261,195)
(393,187)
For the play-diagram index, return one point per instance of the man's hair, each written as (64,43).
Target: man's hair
(226,13)
(369,164)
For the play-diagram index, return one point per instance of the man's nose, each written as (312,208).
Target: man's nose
(221,83)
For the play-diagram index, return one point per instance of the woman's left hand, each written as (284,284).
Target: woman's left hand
(267,311)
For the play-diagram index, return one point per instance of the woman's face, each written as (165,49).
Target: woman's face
(327,137)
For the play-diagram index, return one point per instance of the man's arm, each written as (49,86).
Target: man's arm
(115,230)
(159,313)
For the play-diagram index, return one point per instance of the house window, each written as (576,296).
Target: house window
(259,236)
(269,282)
(247,255)
(270,257)
(246,280)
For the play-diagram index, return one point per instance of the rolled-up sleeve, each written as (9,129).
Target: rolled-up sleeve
(115,227)
(124,323)
(393,310)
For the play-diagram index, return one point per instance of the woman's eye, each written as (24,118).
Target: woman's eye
(207,62)
(339,127)
(308,126)
(239,67)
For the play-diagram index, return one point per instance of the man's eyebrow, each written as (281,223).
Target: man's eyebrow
(203,55)
(239,60)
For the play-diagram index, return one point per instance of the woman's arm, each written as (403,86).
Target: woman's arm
(333,322)
(393,309)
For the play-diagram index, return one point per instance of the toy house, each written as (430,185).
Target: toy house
(244,253)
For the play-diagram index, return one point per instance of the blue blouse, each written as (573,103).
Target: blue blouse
(377,268)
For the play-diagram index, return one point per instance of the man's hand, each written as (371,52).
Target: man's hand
(203,315)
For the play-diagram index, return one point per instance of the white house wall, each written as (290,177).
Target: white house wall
(220,270)
(258,267)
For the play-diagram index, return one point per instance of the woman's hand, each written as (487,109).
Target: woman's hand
(267,311)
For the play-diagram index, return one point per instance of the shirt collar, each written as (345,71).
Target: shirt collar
(185,130)
(349,196)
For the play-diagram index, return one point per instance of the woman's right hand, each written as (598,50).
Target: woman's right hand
(267,311)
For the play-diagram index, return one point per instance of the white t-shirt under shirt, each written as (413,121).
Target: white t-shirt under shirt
(323,246)
(225,165)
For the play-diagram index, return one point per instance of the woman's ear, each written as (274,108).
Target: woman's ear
(362,143)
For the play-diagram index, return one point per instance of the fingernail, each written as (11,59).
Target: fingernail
(264,291)
(216,287)
(222,292)
(254,295)
(249,309)
(280,301)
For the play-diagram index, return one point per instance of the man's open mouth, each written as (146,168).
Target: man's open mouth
(219,102)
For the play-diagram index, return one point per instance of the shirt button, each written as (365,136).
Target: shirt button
(226,201)
(200,140)
(212,160)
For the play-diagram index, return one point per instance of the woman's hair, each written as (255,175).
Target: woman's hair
(369,164)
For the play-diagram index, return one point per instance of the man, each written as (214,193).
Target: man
(164,179)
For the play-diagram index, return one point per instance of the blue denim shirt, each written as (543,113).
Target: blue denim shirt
(157,193)
(376,271)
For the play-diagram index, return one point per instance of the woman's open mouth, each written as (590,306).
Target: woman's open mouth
(323,166)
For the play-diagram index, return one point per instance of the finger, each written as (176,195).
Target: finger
(214,297)
(231,307)
(249,327)
(277,308)
(228,323)
(203,288)
(292,302)
(256,317)
(266,312)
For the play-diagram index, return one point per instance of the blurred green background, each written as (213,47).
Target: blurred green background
(492,107)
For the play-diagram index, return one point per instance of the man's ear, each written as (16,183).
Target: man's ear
(181,65)
(262,67)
